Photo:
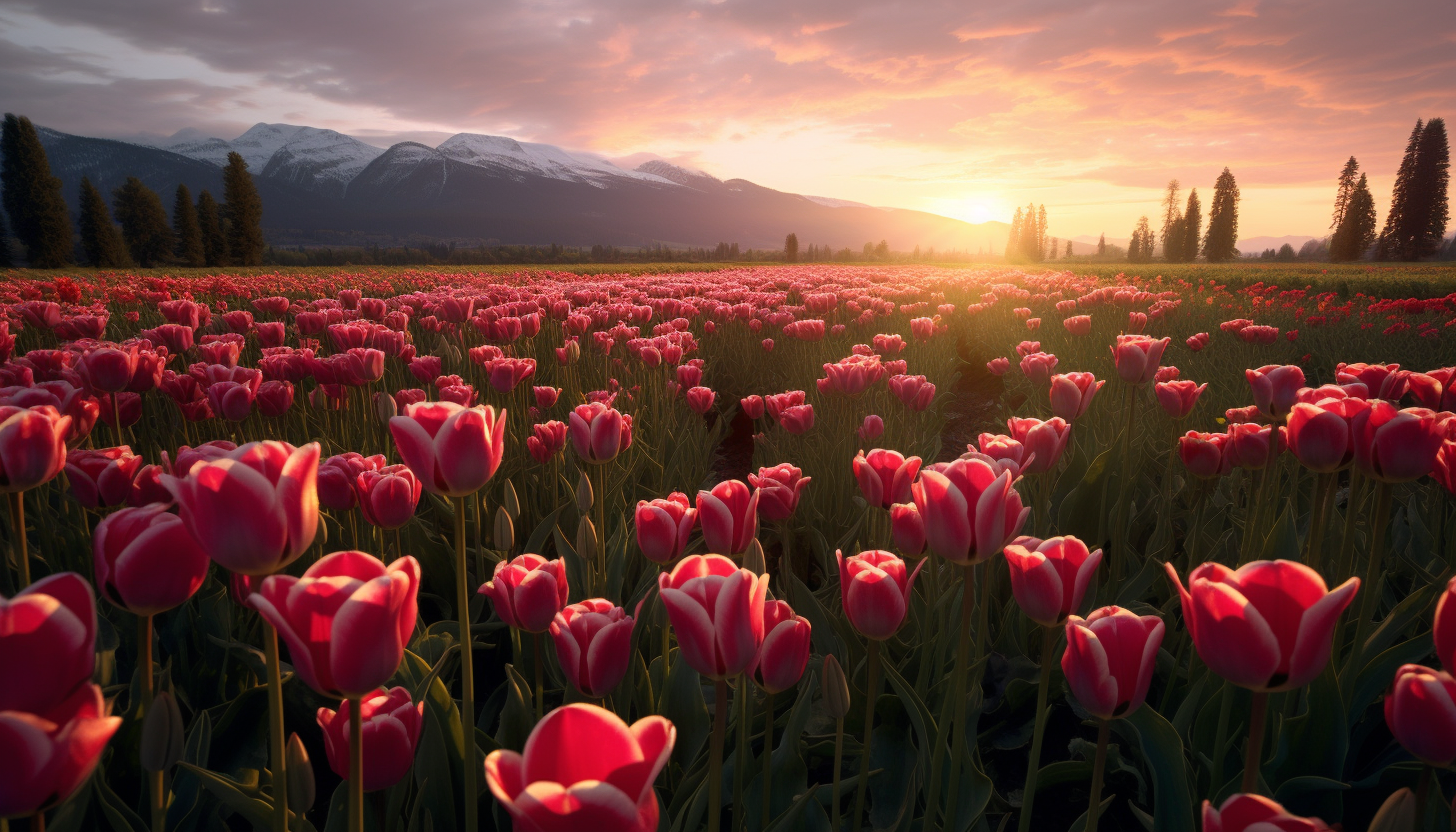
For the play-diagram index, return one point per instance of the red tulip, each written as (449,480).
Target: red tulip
(971,510)
(1038,367)
(32,446)
(700,399)
(1275,387)
(275,398)
(884,476)
(785,650)
(553,787)
(729,517)
(1110,658)
(1436,389)
(546,396)
(599,433)
(1321,434)
(1444,630)
(454,450)
(527,592)
(390,730)
(146,560)
(1396,445)
(1078,324)
(1049,577)
(102,478)
(871,429)
(1137,357)
(1420,710)
(664,526)
(1008,453)
(1383,381)
(388,497)
(47,754)
(546,440)
(797,419)
(1253,446)
(1265,627)
(907,528)
(108,369)
(47,644)
(998,366)
(593,645)
(1178,397)
(1045,440)
(779,488)
(130,405)
(233,400)
(336,476)
(1444,471)
(716,609)
(914,391)
(1203,454)
(752,406)
(1255,813)
(874,589)
(1072,393)
(255,510)
(346,621)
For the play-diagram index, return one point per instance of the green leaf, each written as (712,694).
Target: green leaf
(1081,510)
(683,704)
(1162,751)
(519,715)
(247,801)
(119,815)
(920,715)
(1283,540)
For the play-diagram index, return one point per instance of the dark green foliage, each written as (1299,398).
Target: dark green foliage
(209,222)
(1344,189)
(1013,238)
(5,261)
(32,196)
(791,248)
(243,210)
(1027,242)
(1356,231)
(190,250)
(143,223)
(1140,247)
(1223,220)
(1416,224)
(1101,244)
(101,242)
(1172,231)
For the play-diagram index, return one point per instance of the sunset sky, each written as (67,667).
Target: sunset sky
(959,108)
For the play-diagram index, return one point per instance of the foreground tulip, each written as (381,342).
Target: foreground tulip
(1178,397)
(593,645)
(1275,388)
(1049,577)
(553,787)
(1045,439)
(785,651)
(664,526)
(46,755)
(885,476)
(1420,710)
(1137,357)
(32,446)
(1072,393)
(1396,445)
(874,590)
(528,592)
(1321,435)
(346,621)
(716,609)
(729,517)
(388,497)
(779,489)
(907,529)
(1203,454)
(47,643)
(599,433)
(454,450)
(102,478)
(971,512)
(1255,813)
(146,560)
(390,725)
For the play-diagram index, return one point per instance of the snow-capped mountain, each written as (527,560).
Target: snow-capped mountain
(683,176)
(194,144)
(320,160)
(517,159)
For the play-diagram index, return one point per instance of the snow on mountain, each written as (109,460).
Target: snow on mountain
(831,202)
(261,141)
(520,159)
(195,144)
(320,160)
(681,175)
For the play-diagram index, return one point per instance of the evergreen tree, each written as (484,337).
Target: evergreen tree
(5,261)
(101,243)
(1432,181)
(791,248)
(244,211)
(1357,227)
(1396,223)
(32,196)
(1052,249)
(1140,247)
(1170,233)
(1223,220)
(1013,239)
(214,242)
(1040,241)
(143,223)
(1101,244)
(1344,189)
(1069,249)
(1192,228)
(190,250)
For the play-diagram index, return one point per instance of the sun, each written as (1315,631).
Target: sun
(979,211)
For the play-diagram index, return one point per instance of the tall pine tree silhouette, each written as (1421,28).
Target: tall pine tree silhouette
(1192,228)
(143,223)
(101,243)
(1223,220)
(1430,211)
(190,250)
(244,212)
(1013,238)
(209,220)
(1170,233)
(1391,245)
(1344,189)
(1357,225)
(32,196)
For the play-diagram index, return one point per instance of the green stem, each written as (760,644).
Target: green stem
(1352,512)
(600,493)
(1252,516)
(768,727)
(1033,765)
(17,518)
(959,755)
(144,670)
(1124,489)
(1324,495)
(356,765)
(1254,753)
(958,696)
(744,700)
(539,657)
(715,755)
(1370,589)
(1099,765)
(275,728)
(1220,738)
(467,670)
(872,691)
(838,759)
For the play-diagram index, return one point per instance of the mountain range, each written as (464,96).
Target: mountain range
(321,187)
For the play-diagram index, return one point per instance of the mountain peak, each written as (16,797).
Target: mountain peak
(681,175)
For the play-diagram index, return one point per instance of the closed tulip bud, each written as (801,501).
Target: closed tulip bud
(390,726)
(1444,631)
(907,528)
(1275,388)
(1420,711)
(162,734)
(729,517)
(593,645)
(385,407)
(505,531)
(509,501)
(785,650)
(1321,433)
(32,446)
(1110,658)
(585,499)
(598,432)
(526,593)
(1050,577)
(885,476)
(301,788)
(453,449)
(874,591)
(1072,393)
(1203,454)
(146,560)
(1178,397)
(753,559)
(586,540)
(716,610)
(1255,813)
(1396,814)
(872,427)
(388,497)
(663,527)
(834,689)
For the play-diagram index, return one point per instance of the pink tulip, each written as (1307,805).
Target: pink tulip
(1384,381)
(998,366)
(454,450)
(1178,397)
(1049,577)
(1137,357)
(752,406)
(336,476)
(872,428)
(785,651)
(108,369)
(546,397)
(700,399)
(254,510)
(874,590)
(1255,813)
(971,510)
(797,419)
(779,488)
(47,643)
(32,446)
(389,496)
(346,621)
(1254,447)
(553,787)
(1072,393)
(716,609)
(102,478)
(1444,630)
(1110,658)
(1321,434)
(907,528)
(275,398)
(527,592)
(1203,454)
(884,476)
(1044,440)
(593,645)
(1436,389)
(664,526)
(1420,711)
(1275,387)
(1396,445)
(1266,626)
(599,433)
(1078,324)
(1038,367)
(390,730)
(1007,453)
(45,755)
(146,560)
(546,440)
(729,517)
(914,391)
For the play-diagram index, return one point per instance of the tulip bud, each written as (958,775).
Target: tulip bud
(585,499)
(753,559)
(385,407)
(834,688)
(1397,813)
(301,789)
(162,735)
(510,501)
(505,531)
(586,540)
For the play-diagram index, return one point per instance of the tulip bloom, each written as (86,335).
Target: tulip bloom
(1044,440)
(797,419)
(1420,710)
(779,488)
(1444,630)
(871,429)
(47,643)
(547,439)
(785,650)
(971,510)
(254,510)
(1396,445)
(1110,658)
(593,645)
(32,446)
(346,621)
(599,433)
(454,450)
(1203,454)
(907,528)
(102,478)
(1049,577)
(664,526)
(46,755)
(1072,393)
(108,369)
(700,399)
(885,476)
(527,592)
(336,477)
(1078,324)
(1275,387)
(388,497)
(1383,381)
(729,517)
(874,590)
(1266,626)
(1038,367)
(1137,357)
(553,786)
(146,560)
(1178,397)
(1321,434)
(1255,813)
(716,609)
(390,730)
(1254,447)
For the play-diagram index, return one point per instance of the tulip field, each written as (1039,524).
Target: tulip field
(794,547)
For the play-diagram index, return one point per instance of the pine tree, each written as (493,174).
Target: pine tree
(5,261)
(32,196)
(1223,220)
(1170,233)
(143,223)
(1192,227)
(214,241)
(1101,244)
(1039,252)
(1069,249)
(1357,226)
(101,243)
(190,250)
(1431,211)
(1140,247)
(1344,189)
(244,211)
(1391,247)
(1013,238)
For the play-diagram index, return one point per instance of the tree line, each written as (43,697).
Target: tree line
(204,233)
